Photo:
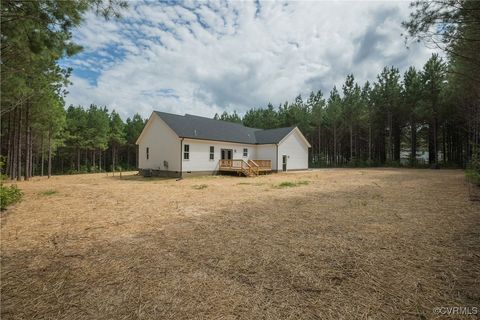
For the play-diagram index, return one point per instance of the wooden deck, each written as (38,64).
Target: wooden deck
(247,168)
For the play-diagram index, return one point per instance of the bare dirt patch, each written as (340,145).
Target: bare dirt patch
(340,244)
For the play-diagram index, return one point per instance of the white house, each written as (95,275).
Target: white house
(175,145)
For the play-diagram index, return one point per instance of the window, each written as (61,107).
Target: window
(148,153)
(245,152)
(212,152)
(186,152)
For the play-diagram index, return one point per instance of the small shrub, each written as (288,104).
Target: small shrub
(9,195)
(48,192)
(199,186)
(473,177)
(473,170)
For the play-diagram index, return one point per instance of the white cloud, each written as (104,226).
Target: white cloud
(203,58)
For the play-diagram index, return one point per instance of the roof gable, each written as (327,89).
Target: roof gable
(300,134)
(195,127)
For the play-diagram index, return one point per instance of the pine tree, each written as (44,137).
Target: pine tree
(116,135)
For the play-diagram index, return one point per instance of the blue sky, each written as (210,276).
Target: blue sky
(207,57)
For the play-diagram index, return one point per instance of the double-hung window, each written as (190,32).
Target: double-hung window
(148,153)
(186,152)
(245,152)
(212,152)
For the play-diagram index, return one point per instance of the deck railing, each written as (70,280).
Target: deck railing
(264,164)
(250,167)
(234,164)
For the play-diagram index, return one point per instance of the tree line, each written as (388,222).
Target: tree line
(372,123)
(435,109)
(35,35)
(83,140)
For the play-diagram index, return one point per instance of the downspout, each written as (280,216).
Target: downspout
(181,159)
(276,161)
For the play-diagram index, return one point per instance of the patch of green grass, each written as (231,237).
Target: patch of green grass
(290,184)
(302,182)
(287,184)
(206,177)
(48,192)
(257,184)
(199,186)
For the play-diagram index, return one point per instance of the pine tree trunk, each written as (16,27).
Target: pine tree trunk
(27,149)
(61,158)
(43,155)
(34,167)
(49,154)
(128,155)
(369,142)
(351,141)
(435,142)
(93,161)
(397,133)
(319,141)
(78,159)
(19,145)
(413,142)
(113,159)
(9,145)
(355,143)
(389,148)
(13,169)
(31,154)
(444,146)
(335,158)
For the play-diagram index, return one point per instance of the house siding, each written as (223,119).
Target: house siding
(296,150)
(200,154)
(163,144)
(268,152)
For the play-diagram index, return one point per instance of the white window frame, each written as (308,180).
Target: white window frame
(147,153)
(211,157)
(186,152)
(245,152)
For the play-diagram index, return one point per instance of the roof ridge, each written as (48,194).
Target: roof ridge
(225,121)
(289,127)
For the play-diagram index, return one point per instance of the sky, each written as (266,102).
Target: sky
(204,58)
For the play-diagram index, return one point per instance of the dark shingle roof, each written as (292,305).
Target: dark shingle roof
(272,135)
(195,127)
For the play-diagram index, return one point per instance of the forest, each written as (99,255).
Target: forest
(377,124)
(387,122)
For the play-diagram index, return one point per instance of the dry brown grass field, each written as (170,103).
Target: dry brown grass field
(326,244)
